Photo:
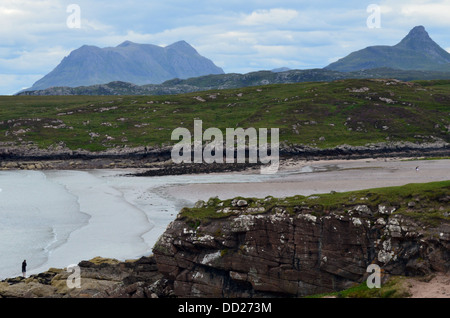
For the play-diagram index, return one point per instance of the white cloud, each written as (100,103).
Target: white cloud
(438,13)
(270,17)
(94,25)
(423,12)
(33,61)
(12,83)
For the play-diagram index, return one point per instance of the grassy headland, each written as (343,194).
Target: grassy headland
(316,114)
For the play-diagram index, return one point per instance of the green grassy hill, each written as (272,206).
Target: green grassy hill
(318,114)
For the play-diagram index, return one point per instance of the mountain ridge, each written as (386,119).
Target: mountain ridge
(130,62)
(415,57)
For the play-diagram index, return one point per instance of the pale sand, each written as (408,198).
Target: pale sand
(437,287)
(334,175)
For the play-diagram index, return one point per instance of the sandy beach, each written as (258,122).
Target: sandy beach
(309,177)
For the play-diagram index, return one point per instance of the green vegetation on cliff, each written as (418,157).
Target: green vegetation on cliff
(425,202)
(393,288)
(316,114)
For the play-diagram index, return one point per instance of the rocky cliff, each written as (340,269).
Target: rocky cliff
(301,246)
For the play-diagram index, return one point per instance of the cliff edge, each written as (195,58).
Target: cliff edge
(299,246)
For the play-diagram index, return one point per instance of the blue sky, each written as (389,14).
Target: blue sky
(239,36)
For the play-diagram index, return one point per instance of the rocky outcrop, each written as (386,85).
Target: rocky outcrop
(99,278)
(157,160)
(60,158)
(32,152)
(270,248)
(376,150)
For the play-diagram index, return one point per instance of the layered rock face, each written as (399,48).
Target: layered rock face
(259,249)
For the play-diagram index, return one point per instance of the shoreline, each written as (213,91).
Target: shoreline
(304,177)
(291,179)
(157,161)
(166,168)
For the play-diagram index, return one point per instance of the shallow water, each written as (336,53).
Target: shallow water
(36,216)
(57,218)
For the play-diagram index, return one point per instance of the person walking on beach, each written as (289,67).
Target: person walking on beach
(24,267)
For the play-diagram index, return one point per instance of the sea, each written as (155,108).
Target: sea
(58,218)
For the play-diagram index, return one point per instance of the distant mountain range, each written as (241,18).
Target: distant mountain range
(128,62)
(137,69)
(417,51)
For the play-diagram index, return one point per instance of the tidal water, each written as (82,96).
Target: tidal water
(58,218)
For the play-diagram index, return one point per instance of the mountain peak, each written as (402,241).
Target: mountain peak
(417,38)
(89,47)
(180,43)
(126,43)
(182,46)
(419,41)
(416,51)
(418,31)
